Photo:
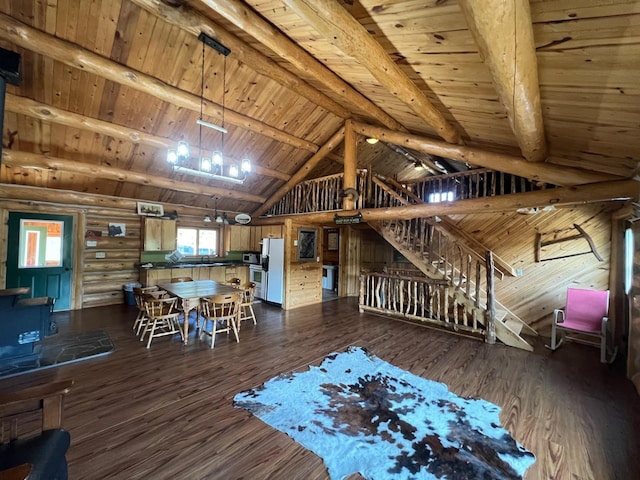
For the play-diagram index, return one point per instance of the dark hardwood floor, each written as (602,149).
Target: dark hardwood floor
(167,413)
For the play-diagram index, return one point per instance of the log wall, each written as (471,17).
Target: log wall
(97,281)
(102,278)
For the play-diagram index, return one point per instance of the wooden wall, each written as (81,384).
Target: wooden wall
(103,278)
(97,281)
(303,280)
(102,265)
(542,286)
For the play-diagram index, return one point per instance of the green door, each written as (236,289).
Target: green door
(39,255)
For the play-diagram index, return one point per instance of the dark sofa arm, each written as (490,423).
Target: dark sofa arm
(47,398)
(41,457)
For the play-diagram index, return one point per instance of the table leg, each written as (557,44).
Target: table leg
(187,306)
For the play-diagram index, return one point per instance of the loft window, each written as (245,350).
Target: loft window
(436,197)
(198,241)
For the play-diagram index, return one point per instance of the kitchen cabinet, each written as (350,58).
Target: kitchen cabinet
(159,234)
(239,238)
(222,274)
(264,231)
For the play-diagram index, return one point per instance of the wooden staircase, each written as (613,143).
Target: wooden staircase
(437,253)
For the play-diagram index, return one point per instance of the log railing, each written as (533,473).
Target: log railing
(474,183)
(318,195)
(324,194)
(418,299)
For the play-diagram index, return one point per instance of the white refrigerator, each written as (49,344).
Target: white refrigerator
(273,266)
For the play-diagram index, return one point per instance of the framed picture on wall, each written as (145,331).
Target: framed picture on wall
(150,209)
(332,241)
(307,244)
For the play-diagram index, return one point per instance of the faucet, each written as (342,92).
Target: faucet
(205,257)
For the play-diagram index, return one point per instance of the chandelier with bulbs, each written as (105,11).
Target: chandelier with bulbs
(209,166)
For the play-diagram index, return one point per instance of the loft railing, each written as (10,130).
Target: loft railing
(476,183)
(324,194)
(319,195)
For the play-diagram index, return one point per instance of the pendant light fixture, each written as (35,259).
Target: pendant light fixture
(210,166)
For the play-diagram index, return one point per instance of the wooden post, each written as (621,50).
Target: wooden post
(350,161)
(490,335)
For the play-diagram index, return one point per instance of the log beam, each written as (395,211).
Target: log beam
(84,60)
(13,158)
(346,33)
(48,113)
(193,22)
(619,190)
(238,13)
(543,172)
(301,174)
(503,31)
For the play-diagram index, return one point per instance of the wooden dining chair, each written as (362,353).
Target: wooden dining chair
(181,279)
(138,294)
(222,312)
(246,303)
(162,317)
(234,282)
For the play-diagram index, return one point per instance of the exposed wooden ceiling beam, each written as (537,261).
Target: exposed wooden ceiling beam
(13,158)
(24,195)
(619,190)
(301,174)
(544,172)
(41,111)
(191,21)
(503,31)
(345,32)
(85,60)
(238,13)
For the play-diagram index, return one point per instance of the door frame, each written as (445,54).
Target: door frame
(79,221)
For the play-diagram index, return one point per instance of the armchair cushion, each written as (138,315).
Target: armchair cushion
(45,453)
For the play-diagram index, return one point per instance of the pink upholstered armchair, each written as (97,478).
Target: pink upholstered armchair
(584,320)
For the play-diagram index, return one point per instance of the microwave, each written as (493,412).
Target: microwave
(252,258)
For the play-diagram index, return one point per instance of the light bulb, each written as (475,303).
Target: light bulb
(233,171)
(372,141)
(205,164)
(172,156)
(183,149)
(246,166)
(217,158)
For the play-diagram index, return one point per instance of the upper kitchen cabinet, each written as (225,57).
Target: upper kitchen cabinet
(239,238)
(159,234)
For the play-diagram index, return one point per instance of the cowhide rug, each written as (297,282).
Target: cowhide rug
(361,414)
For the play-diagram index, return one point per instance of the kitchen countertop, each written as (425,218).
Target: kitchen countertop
(159,265)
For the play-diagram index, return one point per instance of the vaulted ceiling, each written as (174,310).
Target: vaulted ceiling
(109,85)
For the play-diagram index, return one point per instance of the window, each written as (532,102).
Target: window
(40,243)
(628,260)
(198,241)
(436,197)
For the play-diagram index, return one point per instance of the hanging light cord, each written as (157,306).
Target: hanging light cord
(224,87)
(201,102)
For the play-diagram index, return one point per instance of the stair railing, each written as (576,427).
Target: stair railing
(420,299)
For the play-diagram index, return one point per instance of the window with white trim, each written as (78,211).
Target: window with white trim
(194,241)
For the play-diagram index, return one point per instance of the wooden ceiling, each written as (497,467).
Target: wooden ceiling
(109,85)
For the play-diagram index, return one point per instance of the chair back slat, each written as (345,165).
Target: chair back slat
(585,308)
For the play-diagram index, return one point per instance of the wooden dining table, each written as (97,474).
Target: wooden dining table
(190,293)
